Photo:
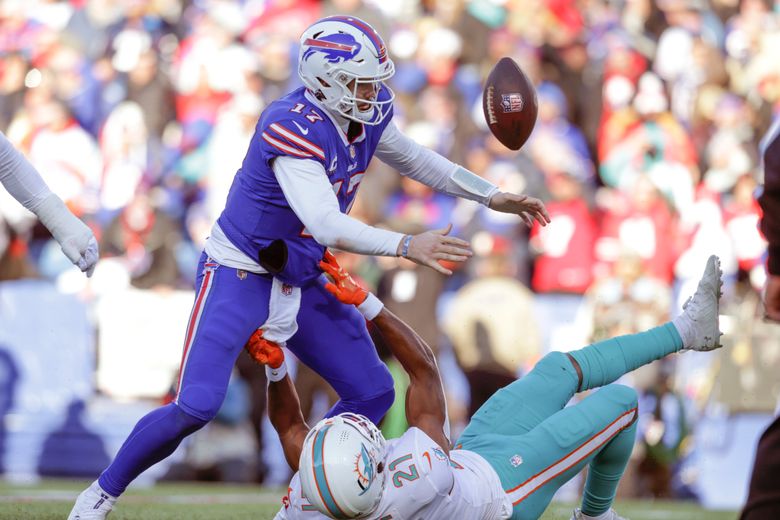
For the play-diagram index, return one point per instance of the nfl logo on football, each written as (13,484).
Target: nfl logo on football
(511,102)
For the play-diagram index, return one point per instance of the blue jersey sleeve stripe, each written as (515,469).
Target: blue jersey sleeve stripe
(298,140)
(284,147)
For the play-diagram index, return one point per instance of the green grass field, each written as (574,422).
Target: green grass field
(52,499)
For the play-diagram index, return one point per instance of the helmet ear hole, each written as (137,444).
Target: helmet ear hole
(323,82)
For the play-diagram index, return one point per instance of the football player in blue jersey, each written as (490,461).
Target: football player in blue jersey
(288,202)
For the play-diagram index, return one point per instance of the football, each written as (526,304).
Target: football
(509,103)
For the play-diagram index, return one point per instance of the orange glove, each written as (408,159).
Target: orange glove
(343,286)
(263,351)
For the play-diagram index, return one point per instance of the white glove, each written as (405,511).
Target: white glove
(75,238)
(85,256)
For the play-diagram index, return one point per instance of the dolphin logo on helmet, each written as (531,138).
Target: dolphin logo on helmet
(364,467)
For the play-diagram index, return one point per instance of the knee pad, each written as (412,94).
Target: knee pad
(374,407)
(189,423)
(200,402)
(378,399)
(554,364)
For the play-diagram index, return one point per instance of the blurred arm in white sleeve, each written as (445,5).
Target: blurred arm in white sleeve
(25,184)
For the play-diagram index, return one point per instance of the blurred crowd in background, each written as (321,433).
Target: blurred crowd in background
(138,113)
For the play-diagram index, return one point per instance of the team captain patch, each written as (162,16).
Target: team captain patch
(511,102)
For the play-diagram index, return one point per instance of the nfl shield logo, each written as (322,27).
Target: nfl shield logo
(516,460)
(352,152)
(287,289)
(511,102)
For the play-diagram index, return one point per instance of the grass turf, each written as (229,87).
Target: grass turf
(52,499)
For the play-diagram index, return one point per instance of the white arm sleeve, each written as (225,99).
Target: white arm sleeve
(428,167)
(24,182)
(310,195)
(20,178)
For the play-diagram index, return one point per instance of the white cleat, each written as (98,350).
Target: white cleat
(610,515)
(92,504)
(702,310)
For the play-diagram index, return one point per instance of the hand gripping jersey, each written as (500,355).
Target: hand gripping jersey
(422,483)
(257,214)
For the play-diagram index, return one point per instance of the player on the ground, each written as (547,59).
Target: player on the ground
(23,181)
(287,203)
(517,451)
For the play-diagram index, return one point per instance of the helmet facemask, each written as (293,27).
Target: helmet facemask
(350,102)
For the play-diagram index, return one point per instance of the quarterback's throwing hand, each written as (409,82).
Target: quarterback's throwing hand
(430,247)
(528,208)
(343,286)
(263,351)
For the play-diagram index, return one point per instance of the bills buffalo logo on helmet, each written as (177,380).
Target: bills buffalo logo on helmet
(511,102)
(337,47)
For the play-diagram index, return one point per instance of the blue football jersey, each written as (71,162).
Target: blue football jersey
(257,213)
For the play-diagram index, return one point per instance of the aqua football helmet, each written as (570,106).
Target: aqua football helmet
(337,55)
(341,466)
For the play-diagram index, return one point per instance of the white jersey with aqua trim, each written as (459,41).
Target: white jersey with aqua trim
(423,483)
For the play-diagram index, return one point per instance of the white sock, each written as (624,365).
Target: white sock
(95,486)
(684,327)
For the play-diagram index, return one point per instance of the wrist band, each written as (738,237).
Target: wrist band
(275,375)
(473,184)
(405,246)
(370,307)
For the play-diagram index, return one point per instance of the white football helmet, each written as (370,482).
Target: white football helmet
(341,466)
(339,50)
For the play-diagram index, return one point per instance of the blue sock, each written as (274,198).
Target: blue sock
(154,437)
(604,362)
